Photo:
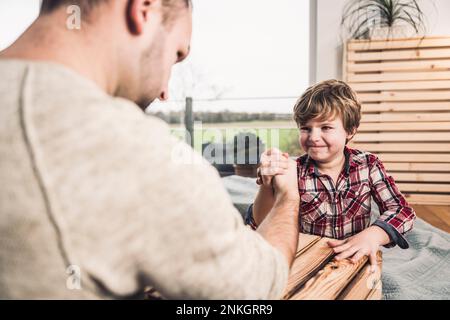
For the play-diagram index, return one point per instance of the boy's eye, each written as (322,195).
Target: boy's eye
(304,129)
(327,127)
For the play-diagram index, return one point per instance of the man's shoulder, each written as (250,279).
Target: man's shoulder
(59,100)
(58,90)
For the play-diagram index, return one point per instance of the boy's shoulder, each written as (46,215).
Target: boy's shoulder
(362,157)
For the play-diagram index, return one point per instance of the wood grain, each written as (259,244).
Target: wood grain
(403,43)
(329,282)
(365,285)
(316,275)
(307,264)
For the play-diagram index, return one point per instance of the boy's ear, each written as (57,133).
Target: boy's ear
(351,135)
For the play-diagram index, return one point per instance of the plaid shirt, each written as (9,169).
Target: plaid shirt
(344,209)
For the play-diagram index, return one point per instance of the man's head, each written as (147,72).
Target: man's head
(328,115)
(144,38)
(86,6)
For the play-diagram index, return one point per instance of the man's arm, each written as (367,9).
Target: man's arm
(280,227)
(273,162)
(153,214)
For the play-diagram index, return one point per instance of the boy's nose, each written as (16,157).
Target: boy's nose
(314,135)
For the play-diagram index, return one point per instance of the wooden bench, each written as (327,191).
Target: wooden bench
(404,87)
(316,276)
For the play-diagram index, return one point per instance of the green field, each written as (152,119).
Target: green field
(279,134)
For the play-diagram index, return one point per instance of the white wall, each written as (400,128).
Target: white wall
(15,17)
(329,45)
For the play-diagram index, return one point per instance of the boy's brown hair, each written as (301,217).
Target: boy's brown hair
(326,100)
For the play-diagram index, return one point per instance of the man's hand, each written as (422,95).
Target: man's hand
(365,243)
(273,162)
(286,185)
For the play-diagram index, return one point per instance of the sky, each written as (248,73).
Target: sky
(240,49)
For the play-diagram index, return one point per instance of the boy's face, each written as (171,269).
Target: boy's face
(324,141)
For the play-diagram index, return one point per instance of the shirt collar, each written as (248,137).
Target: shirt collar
(350,162)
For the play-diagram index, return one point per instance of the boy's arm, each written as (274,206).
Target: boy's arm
(264,202)
(396,216)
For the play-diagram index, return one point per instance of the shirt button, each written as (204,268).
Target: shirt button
(357,193)
(315,199)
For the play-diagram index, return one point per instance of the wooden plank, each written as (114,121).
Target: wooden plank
(362,287)
(406,106)
(423,167)
(405,126)
(421,177)
(375,294)
(399,43)
(406,117)
(397,76)
(414,157)
(405,85)
(305,242)
(331,281)
(424,187)
(405,147)
(401,136)
(428,65)
(307,264)
(411,54)
(432,199)
(389,96)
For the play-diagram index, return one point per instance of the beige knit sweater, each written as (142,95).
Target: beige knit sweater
(95,202)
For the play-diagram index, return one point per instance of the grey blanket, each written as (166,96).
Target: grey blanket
(420,272)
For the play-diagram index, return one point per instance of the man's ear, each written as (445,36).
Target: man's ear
(138,12)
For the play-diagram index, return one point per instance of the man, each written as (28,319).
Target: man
(92,202)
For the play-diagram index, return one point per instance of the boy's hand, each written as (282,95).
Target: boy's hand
(273,162)
(365,243)
(286,185)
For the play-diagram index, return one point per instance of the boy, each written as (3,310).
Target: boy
(336,183)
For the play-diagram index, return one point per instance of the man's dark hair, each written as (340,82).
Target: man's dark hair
(87,5)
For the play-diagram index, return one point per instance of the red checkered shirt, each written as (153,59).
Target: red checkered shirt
(344,209)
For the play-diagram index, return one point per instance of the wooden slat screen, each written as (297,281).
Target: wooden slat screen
(404,87)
